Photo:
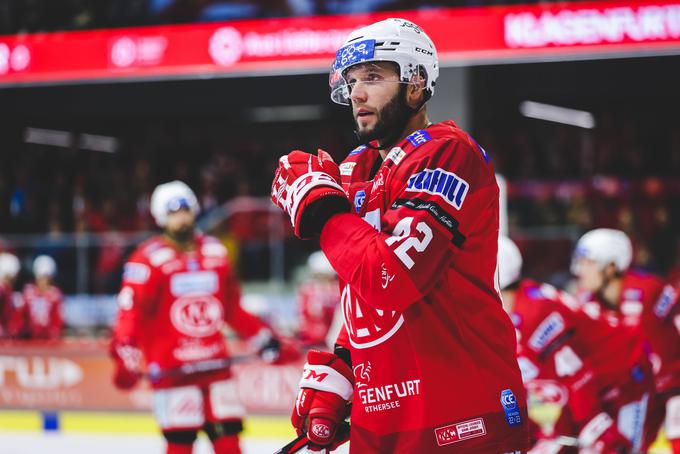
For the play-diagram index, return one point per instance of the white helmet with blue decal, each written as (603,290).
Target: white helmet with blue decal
(605,247)
(393,40)
(169,197)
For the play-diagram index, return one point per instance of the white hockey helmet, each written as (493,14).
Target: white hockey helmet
(319,264)
(604,246)
(44,265)
(509,262)
(9,265)
(169,197)
(394,40)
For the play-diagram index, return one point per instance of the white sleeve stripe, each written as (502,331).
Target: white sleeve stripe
(325,378)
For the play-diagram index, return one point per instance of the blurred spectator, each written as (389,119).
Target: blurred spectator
(9,268)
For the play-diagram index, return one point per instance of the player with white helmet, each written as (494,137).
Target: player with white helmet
(177,292)
(42,302)
(560,344)
(409,220)
(612,291)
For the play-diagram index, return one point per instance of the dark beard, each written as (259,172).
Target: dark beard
(391,122)
(182,235)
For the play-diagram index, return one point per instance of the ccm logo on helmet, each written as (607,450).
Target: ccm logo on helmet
(448,185)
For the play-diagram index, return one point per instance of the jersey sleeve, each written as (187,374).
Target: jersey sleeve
(438,194)
(136,297)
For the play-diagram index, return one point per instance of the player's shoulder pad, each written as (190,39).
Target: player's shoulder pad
(212,247)
(155,251)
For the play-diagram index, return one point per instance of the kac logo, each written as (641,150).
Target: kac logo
(368,327)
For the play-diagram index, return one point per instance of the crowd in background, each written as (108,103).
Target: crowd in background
(20,16)
(620,181)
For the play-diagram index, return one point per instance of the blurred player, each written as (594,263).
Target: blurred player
(622,297)
(40,312)
(410,223)
(9,268)
(318,298)
(177,291)
(605,369)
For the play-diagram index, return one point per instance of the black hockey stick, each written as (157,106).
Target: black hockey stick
(199,366)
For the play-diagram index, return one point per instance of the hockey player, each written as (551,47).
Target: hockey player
(177,292)
(605,369)
(318,299)
(626,298)
(9,268)
(42,302)
(409,221)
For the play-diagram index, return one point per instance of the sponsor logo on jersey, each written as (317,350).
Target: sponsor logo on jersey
(632,294)
(447,185)
(547,331)
(161,256)
(385,277)
(509,403)
(387,397)
(396,154)
(668,298)
(378,182)
(213,250)
(527,368)
(362,374)
(418,138)
(197,316)
(366,326)
(194,283)
(358,150)
(359,198)
(136,273)
(346,168)
(460,431)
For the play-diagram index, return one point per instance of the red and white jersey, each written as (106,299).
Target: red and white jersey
(317,302)
(649,304)
(41,312)
(603,367)
(6,309)
(173,303)
(433,351)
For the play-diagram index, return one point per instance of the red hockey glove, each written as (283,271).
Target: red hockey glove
(324,399)
(600,435)
(128,364)
(307,187)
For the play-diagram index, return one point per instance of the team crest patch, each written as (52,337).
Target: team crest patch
(460,431)
(419,137)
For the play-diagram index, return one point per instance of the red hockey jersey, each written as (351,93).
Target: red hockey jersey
(173,304)
(41,312)
(602,367)
(648,304)
(432,349)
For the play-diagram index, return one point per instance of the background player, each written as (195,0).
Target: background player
(428,355)
(178,290)
(605,369)
(318,298)
(627,298)
(40,314)
(9,269)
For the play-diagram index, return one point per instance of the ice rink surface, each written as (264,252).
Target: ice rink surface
(59,443)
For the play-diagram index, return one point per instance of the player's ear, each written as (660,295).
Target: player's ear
(415,90)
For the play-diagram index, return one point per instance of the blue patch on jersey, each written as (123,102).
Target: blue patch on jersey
(448,185)
(535,293)
(193,265)
(668,298)
(358,150)
(359,198)
(481,150)
(354,53)
(509,403)
(418,138)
